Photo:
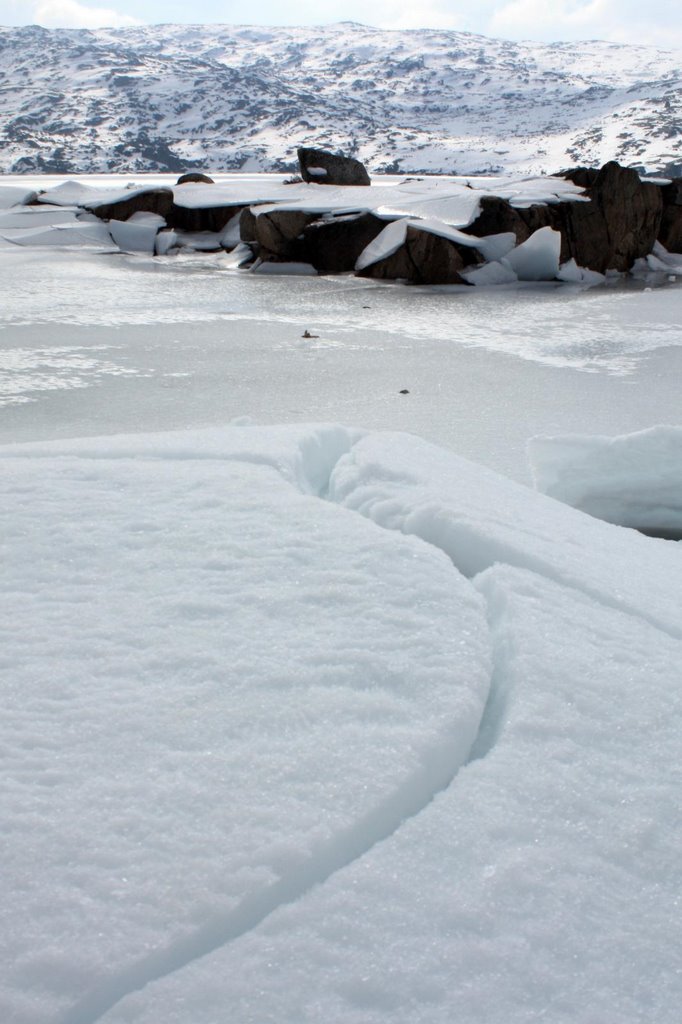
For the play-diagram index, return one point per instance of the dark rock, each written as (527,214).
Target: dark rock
(583,177)
(247,225)
(194,178)
(498,215)
(670,231)
(340,170)
(280,233)
(424,258)
(201,218)
(153,200)
(403,391)
(619,225)
(333,245)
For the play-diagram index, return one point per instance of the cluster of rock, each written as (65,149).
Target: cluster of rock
(622,222)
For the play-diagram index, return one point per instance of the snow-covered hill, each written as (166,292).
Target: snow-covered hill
(174,97)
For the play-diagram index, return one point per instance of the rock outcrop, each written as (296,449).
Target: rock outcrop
(194,178)
(151,200)
(618,225)
(424,258)
(323,168)
(670,232)
(333,245)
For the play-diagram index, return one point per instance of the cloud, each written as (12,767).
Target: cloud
(71,14)
(623,21)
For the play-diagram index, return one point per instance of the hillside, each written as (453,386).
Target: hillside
(174,97)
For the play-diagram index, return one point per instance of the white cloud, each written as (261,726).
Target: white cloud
(71,14)
(564,20)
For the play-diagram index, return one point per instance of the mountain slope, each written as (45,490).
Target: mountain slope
(174,97)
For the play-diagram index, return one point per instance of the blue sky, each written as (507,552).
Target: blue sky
(657,21)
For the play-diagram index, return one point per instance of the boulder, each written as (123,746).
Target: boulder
(670,231)
(323,168)
(424,258)
(280,233)
(619,225)
(498,215)
(334,244)
(201,218)
(152,200)
(194,178)
(583,177)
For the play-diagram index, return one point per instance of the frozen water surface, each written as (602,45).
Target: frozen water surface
(155,343)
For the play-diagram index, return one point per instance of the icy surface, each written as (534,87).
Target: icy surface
(633,480)
(325,725)
(537,259)
(543,883)
(215,684)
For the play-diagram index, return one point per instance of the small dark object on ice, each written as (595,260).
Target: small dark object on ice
(366,307)
(404,392)
(307,334)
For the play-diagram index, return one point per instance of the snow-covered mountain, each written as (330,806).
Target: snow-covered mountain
(174,97)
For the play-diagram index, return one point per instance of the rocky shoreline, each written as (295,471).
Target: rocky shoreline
(573,226)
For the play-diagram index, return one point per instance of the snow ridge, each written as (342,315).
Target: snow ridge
(219,97)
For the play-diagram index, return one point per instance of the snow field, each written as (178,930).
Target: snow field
(219,689)
(268,758)
(542,884)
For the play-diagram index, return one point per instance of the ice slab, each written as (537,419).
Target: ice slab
(479,518)
(537,259)
(632,480)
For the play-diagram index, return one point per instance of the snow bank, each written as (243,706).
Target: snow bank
(323,725)
(218,687)
(633,480)
(542,884)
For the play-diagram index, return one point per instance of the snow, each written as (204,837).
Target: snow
(420,101)
(218,681)
(316,723)
(15,195)
(542,882)
(384,245)
(632,480)
(537,259)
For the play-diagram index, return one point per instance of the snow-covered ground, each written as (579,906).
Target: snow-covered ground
(310,723)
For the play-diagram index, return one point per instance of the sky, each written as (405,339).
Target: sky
(626,21)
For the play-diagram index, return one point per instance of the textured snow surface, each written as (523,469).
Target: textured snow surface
(221,97)
(304,723)
(632,480)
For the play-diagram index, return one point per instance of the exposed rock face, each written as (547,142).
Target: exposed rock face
(498,215)
(334,245)
(201,218)
(194,178)
(619,225)
(323,168)
(584,177)
(280,233)
(670,232)
(153,200)
(424,258)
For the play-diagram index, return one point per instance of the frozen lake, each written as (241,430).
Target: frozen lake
(108,343)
